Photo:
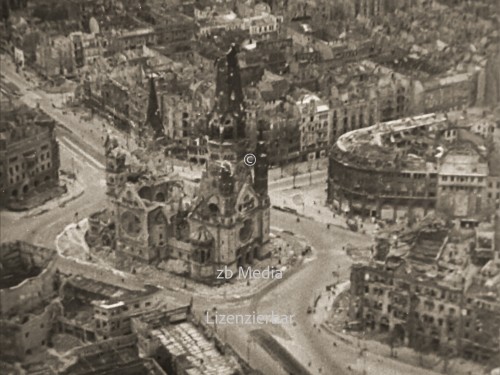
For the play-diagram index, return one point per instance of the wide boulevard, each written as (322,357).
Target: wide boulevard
(82,152)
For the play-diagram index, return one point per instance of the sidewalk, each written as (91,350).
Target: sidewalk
(235,290)
(309,201)
(71,243)
(301,168)
(378,352)
(341,355)
(432,363)
(74,190)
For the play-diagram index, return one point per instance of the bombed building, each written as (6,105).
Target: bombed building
(225,223)
(29,154)
(28,299)
(426,288)
(409,168)
(54,320)
(183,345)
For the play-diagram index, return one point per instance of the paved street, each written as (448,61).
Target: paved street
(82,152)
(299,291)
(43,229)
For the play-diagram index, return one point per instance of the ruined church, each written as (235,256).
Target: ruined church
(225,223)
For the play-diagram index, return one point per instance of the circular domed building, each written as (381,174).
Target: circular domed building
(388,170)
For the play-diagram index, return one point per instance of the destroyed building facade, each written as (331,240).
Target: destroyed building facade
(85,319)
(28,299)
(409,168)
(226,223)
(29,153)
(425,288)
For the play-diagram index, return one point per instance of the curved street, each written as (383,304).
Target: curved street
(81,152)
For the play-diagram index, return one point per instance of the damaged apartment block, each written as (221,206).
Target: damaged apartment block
(29,157)
(432,287)
(29,303)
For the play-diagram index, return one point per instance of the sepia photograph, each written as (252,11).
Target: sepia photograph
(249,187)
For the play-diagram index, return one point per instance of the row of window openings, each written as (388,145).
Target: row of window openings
(264,28)
(42,168)
(463,179)
(430,319)
(14,158)
(23,165)
(461,188)
(429,306)
(426,318)
(433,293)
(430,292)
(317,126)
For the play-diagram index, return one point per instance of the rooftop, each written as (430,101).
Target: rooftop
(407,143)
(432,251)
(117,356)
(19,122)
(201,354)
(110,293)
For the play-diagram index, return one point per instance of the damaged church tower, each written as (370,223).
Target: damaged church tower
(152,129)
(225,225)
(233,203)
